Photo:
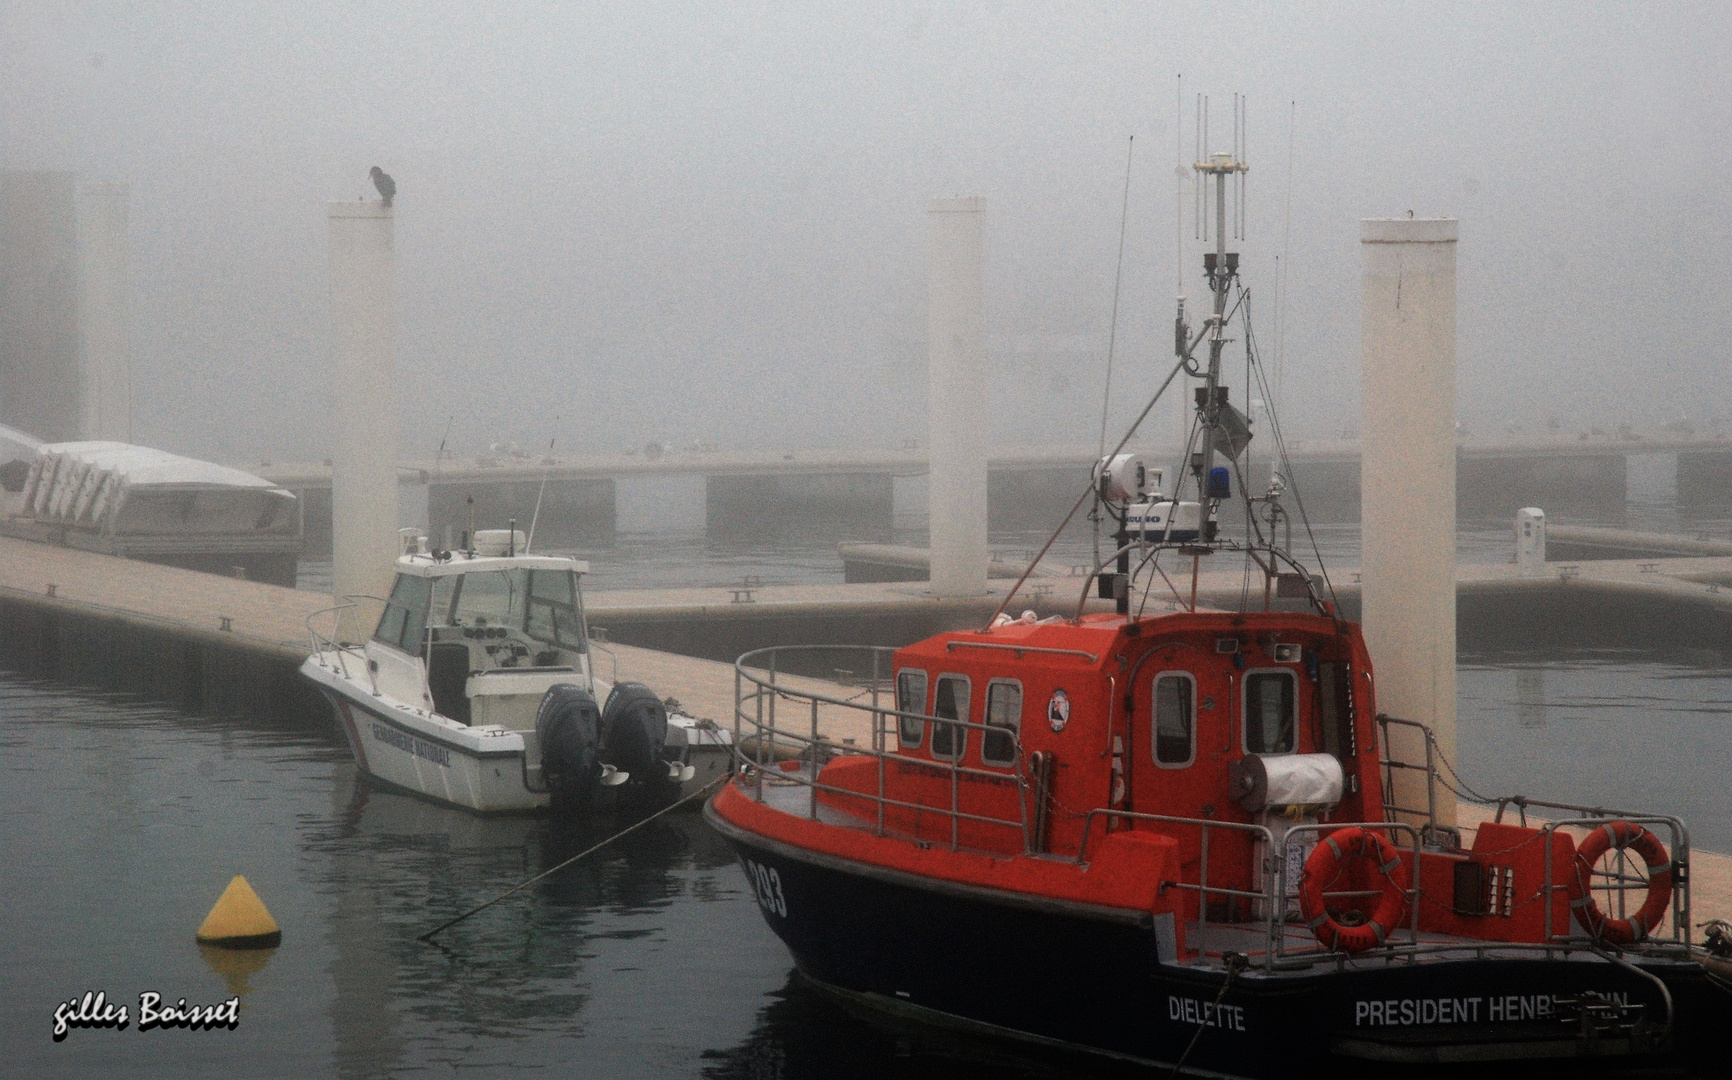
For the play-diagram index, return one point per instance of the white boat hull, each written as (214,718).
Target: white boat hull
(481,769)
(484,769)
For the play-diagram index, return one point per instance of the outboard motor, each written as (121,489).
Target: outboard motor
(634,727)
(567,725)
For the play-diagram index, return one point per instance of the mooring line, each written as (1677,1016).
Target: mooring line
(1234,962)
(705,790)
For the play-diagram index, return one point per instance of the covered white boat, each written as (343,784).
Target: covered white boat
(478,687)
(141,503)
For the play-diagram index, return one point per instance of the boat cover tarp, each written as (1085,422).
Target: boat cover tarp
(119,488)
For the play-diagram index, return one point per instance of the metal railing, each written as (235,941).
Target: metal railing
(598,643)
(1390,764)
(343,647)
(1616,883)
(1201,887)
(760,683)
(764,733)
(1411,894)
(1274,895)
(1619,882)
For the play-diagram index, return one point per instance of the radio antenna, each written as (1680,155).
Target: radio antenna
(1197,190)
(546,467)
(439,454)
(1179,171)
(1118,277)
(1281,278)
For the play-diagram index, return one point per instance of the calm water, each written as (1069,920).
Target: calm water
(125,820)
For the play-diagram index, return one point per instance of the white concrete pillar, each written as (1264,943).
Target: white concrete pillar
(1408,484)
(363,398)
(104,291)
(956,413)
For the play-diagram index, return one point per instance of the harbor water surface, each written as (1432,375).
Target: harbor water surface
(125,819)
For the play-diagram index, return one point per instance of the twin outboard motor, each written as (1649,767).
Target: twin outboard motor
(634,727)
(568,727)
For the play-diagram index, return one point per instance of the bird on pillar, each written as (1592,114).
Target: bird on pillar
(387,186)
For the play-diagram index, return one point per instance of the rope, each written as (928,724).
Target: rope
(1465,792)
(705,790)
(1234,963)
(1087,492)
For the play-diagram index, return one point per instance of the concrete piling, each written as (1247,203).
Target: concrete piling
(1408,484)
(956,435)
(364,402)
(104,285)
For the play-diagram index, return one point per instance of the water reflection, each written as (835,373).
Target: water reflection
(1531,697)
(1561,724)
(515,973)
(236,966)
(804,1031)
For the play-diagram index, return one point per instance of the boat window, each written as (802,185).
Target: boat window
(910,698)
(553,612)
(404,623)
(1270,711)
(444,589)
(1175,719)
(950,702)
(1003,711)
(492,598)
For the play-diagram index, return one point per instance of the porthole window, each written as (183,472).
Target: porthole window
(910,698)
(1003,722)
(950,702)
(1175,718)
(1271,712)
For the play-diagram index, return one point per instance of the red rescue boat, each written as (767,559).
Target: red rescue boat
(1171,839)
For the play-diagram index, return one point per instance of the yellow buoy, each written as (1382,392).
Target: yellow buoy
(240,920)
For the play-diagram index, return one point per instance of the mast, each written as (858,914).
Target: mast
(1221,268)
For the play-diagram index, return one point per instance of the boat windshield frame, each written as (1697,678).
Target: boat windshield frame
(554,617)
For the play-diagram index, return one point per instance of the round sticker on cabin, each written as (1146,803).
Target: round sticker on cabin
(1058,710)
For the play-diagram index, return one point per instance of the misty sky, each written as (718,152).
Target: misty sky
(693,221)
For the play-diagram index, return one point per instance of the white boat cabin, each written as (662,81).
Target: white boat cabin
(479,640)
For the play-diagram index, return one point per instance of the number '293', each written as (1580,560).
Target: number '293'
(768,885)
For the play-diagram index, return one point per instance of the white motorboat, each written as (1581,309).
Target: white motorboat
(478,688)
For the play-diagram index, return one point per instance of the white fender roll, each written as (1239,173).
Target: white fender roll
(1286,780)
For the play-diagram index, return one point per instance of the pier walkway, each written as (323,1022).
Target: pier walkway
(216,643)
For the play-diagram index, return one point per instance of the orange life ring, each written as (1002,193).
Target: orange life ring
(1323,866)
(1621,835)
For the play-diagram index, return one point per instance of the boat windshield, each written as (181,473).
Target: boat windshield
(544,604)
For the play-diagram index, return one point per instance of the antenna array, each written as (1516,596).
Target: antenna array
(1228,162)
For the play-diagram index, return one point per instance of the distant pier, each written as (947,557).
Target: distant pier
(851,493)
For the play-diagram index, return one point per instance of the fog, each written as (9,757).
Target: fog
(705,222)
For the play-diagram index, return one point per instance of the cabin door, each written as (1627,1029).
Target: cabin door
(1183,738)
(1180,738)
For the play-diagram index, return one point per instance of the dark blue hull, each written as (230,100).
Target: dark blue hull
(1105,981)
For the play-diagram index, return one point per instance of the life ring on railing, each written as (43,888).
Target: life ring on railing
(1324,865)
(1620,835)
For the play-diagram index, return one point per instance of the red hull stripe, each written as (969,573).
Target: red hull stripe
(348,716)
